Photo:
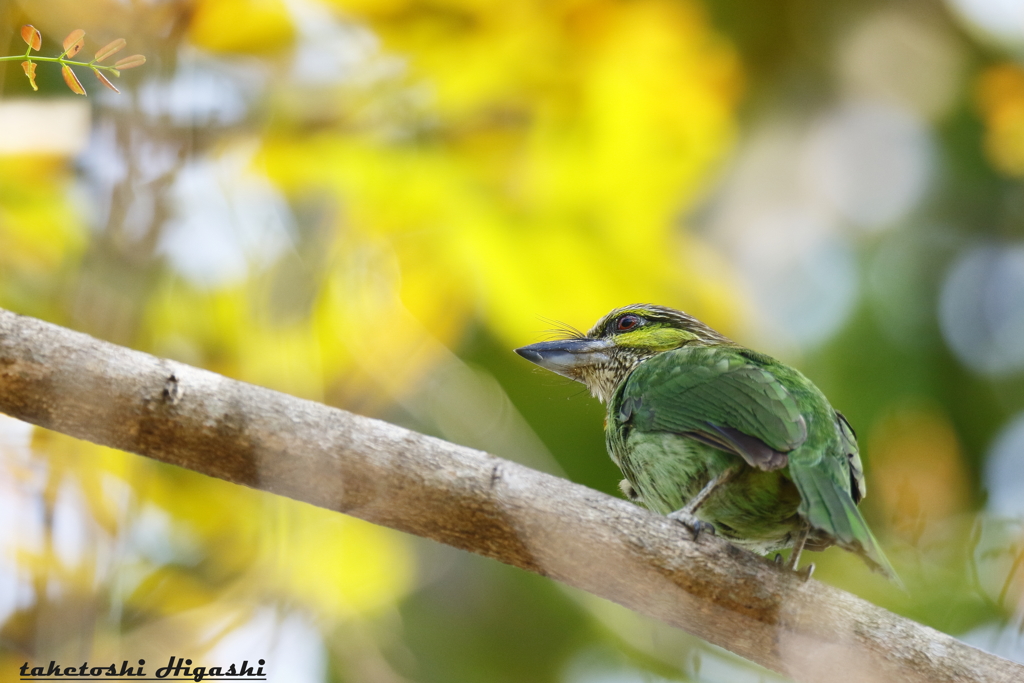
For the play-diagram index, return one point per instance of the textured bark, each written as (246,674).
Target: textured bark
(72,383)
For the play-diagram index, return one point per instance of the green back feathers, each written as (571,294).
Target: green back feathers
(772,416)
(714,394)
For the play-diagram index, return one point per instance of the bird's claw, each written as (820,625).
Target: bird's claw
(806,572)
(690,521)
(778,559)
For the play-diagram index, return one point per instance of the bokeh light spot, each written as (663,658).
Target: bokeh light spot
(1004,470)
(981,309)
(871,161)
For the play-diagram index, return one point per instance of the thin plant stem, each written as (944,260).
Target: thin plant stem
(61,61)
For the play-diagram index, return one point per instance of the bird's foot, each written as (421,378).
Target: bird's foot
(806,572)
(690,521)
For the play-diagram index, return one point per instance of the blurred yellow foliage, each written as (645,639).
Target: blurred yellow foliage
(562,143)
(1000,98)
(247,26)
(227,331)
(39,227)
(533,159)
(545,175)
(335,565)
(253,547)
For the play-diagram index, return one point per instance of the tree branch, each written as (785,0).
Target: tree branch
(72,383)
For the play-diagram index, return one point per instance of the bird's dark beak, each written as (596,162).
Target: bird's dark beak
(568,356)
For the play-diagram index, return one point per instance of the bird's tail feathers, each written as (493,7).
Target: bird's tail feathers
(829,508)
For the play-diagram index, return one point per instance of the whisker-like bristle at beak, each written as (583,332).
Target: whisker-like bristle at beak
(561,330)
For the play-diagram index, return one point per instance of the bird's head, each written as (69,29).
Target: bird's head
(603,357)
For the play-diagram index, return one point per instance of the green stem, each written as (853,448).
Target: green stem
(61,61)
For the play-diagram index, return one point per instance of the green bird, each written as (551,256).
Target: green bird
(720,437)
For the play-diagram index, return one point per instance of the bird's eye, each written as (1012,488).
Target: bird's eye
(627,323)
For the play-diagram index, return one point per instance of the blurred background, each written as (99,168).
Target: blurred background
(369,203)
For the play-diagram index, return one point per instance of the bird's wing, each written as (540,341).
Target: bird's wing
(848,441)
(719,396)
